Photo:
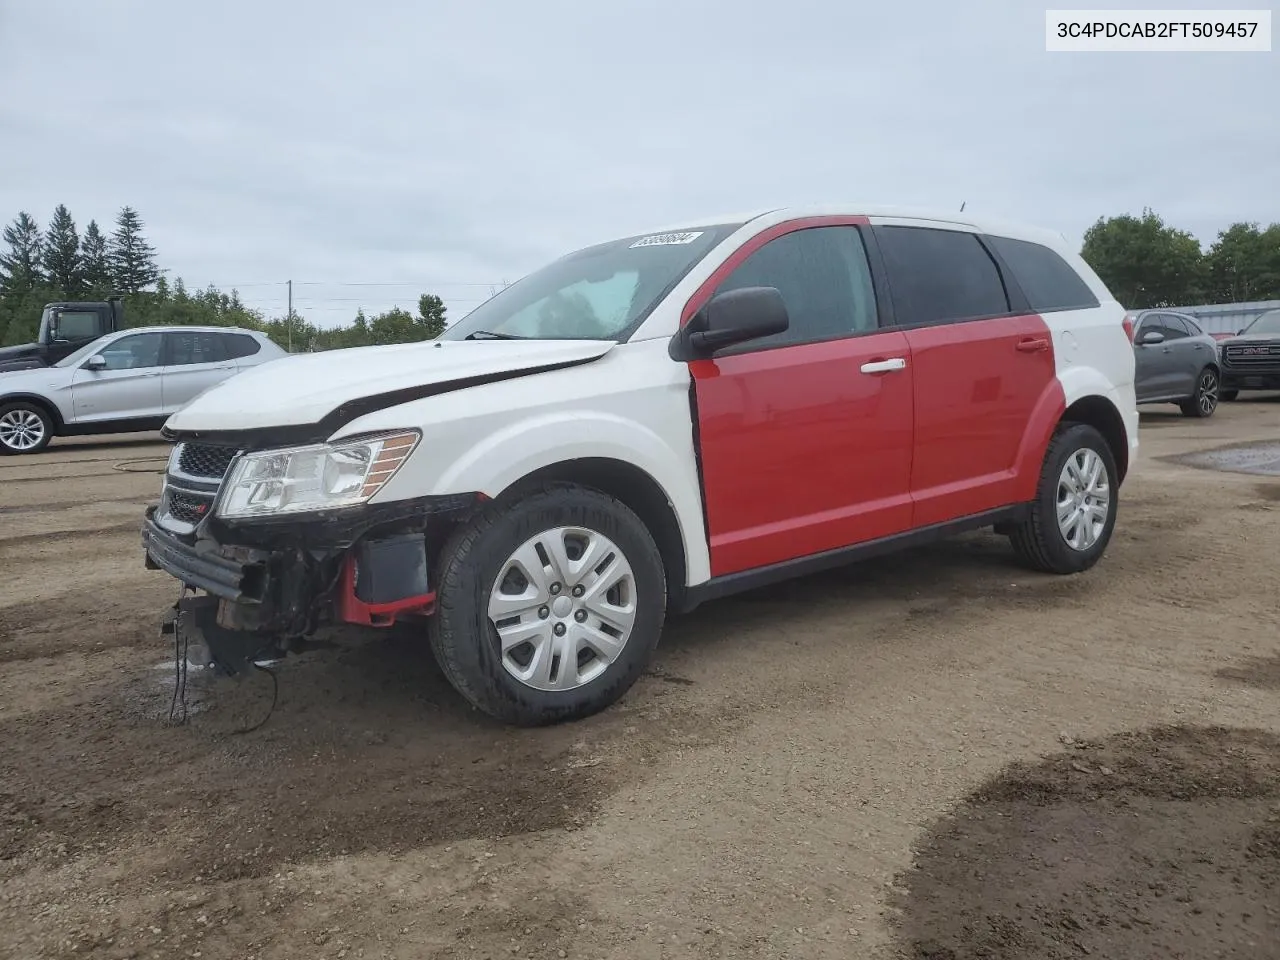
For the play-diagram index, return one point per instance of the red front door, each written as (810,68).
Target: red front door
(805,438)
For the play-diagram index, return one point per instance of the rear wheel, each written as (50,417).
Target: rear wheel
(1204,401)
(1074,511)
(550,607)
(24,428)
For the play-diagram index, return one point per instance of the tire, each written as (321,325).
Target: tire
(1226,396)
(479,567)
(24,428)
(1204,401)
(1039,541)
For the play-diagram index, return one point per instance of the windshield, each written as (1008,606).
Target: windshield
(1268,322)
(599,293)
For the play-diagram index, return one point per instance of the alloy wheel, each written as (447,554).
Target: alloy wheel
(1207,393)
(21,430)
(1084,499)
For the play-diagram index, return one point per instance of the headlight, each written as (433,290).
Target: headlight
(319,477)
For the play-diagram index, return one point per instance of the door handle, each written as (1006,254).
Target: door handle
(1033,346)
(884,366)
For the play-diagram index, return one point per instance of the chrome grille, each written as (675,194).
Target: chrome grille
(205,459)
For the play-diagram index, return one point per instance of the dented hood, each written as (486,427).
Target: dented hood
(335,387)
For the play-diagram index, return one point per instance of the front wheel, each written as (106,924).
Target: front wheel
(1204,401)
(24,428)
(549,608)
(1075,507)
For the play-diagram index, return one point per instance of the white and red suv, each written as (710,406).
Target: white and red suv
(647,424)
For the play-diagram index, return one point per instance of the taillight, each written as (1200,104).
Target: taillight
(1128,327)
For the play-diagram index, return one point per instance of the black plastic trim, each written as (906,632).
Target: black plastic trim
(718,587)
(204,569)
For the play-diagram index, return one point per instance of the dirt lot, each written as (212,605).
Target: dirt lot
(933,756)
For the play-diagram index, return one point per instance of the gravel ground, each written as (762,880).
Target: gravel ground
(936,755)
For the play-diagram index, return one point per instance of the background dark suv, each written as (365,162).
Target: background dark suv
(1175,361)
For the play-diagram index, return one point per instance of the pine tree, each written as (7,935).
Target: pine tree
(133,260)
(61,253)
(431,316)
(20,268)
(94,266)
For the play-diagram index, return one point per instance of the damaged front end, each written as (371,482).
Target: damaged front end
(268,581)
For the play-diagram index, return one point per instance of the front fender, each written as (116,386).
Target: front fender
(494,462)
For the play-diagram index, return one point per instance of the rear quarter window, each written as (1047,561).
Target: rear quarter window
(240,345)
(1047,280)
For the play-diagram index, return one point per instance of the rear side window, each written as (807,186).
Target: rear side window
(195,347)
(240,345)
(940,276)
(1048,281)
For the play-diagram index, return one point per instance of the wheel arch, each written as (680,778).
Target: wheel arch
(1083,396)
(632,486)
(44,403)
(1100,413)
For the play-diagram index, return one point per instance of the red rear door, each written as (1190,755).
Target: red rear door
(805,438)
(982,362)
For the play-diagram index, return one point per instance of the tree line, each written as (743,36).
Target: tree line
(58,263)
(1147,263)
(1144,261)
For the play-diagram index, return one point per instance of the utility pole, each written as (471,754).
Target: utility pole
(288,324)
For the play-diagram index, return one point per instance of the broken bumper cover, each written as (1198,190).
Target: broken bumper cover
(203,565)
(364,565)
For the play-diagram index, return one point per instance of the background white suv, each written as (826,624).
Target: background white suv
(124,382)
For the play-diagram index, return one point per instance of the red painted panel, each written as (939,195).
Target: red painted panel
(802,452)
(1043,421)
(977,385)
(704,292)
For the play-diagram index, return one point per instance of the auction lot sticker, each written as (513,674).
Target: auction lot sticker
(667,239)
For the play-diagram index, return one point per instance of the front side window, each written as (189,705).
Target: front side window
(823,277)
(940,276)
(133,352)
(1172,327)
(600,293)
(1193,328)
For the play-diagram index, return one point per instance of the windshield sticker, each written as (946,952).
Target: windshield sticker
(666,239)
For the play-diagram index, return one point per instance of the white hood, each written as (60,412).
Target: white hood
(302,388)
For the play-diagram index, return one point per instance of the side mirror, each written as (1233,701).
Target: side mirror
(735,316)
(96,362)
(1150,338)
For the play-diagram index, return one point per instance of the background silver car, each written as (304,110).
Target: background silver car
(123,383)
(1176,362)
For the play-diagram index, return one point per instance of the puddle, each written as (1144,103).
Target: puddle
(1262,459)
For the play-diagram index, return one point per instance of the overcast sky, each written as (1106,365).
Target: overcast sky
(446,147)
